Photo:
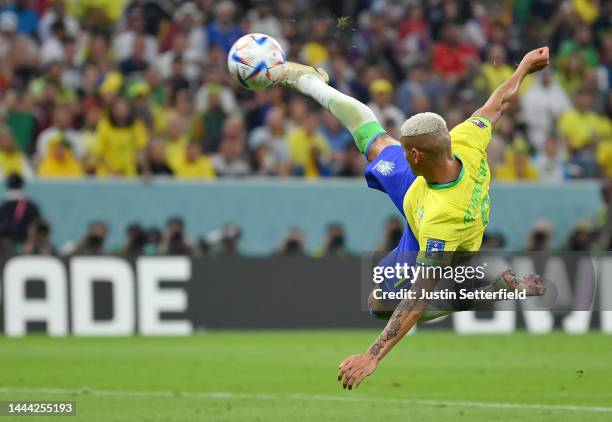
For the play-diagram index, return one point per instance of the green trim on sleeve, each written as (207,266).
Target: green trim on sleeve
(483,119)
(364,134)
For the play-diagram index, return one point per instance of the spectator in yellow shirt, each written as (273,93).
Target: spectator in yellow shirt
(310,151)
(111,9)
(12,160)
(59,161)
(315,52)
(580,126)
(194,164)
(588,10)
(88,139)
(120,140)
(176,140)
(604,157)
(517,164)
(494,71)
(583,129)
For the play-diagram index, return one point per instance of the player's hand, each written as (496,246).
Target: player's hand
(355,368)
(535,60)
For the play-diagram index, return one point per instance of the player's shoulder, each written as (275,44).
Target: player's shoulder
(474,126)
(472,134)
(417,189)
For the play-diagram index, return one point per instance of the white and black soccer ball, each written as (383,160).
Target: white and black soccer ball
(256,61)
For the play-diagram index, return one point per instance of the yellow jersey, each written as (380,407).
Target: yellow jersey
(604,157)
(119,146)
(452,217)
(300,147)
(50,167)
(200,168)
(583,129)
(12,162)
(176,150)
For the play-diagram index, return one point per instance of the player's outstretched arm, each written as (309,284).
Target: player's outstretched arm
(507,92)
(355,368)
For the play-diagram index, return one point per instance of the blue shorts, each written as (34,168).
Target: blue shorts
(390,173)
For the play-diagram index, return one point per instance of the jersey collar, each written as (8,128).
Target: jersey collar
(453,183)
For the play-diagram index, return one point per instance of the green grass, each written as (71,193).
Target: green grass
(291,376)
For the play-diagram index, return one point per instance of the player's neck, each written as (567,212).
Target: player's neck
(446,171)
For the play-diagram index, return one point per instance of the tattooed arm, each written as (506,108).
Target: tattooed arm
(355,368)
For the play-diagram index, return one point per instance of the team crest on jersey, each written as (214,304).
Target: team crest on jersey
(479,123)
(434,248)
(385,167)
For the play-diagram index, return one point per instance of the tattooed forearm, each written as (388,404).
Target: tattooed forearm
(392,329)
(400,321)
(404,305)
(375,348)
(389,333)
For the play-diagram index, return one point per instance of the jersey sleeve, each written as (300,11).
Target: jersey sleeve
(390,173)
(475,133)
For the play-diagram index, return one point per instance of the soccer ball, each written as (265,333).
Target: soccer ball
(256,61)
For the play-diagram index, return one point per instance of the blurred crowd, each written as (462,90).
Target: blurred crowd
(140,88)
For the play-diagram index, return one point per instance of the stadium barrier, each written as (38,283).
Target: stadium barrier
(267,209)
(175,295)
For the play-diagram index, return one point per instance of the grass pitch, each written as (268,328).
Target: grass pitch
(281,376)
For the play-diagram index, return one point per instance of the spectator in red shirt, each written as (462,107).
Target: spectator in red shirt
(451,58)
(414,24)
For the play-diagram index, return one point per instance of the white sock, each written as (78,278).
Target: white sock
(351,113)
